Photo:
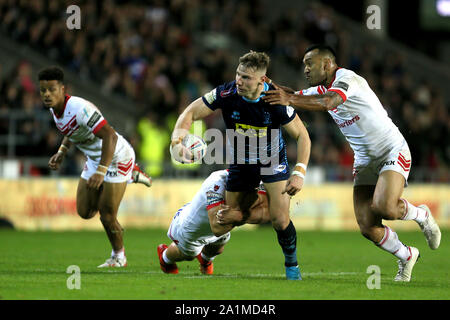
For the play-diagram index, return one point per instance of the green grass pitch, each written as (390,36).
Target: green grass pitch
(334,266)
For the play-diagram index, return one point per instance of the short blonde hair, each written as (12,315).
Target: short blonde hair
(255,60)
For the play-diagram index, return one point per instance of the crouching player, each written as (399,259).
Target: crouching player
(202,227)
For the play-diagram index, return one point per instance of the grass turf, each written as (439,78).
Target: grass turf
(333,264)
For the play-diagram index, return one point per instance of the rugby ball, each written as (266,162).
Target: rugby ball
(195,144)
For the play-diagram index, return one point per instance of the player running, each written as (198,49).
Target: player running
(250,119)
(199,229)
(382,160)
(110,163)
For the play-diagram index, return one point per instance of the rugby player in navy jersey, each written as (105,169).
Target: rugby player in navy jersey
(260,151)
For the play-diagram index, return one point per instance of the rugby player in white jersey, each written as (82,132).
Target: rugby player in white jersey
(382,160)
(110,159)
(201,228)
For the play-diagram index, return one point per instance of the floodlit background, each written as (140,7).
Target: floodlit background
(143,62)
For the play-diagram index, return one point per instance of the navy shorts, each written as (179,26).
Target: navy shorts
(245,177)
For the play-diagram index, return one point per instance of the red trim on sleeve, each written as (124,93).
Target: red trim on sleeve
(339,92)
(214,204)
(319,90)
(99,126)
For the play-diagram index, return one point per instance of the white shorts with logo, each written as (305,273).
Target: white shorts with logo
(119,170)
(189,244)
(397,159)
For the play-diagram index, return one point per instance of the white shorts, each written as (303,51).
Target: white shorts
(118,171)
(397,159)
(189,244)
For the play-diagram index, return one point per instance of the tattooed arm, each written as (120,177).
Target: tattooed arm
(319,102)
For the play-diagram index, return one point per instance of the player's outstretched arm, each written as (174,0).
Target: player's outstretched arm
(284,88)
(297,130)
(109,141)
(318,102)
(55,161)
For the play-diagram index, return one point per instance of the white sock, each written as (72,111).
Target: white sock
(120,254)
(392,244)
(166,260)
(206,258)
(414,213)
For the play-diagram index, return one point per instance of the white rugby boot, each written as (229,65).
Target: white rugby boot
(430,229)
(405,268)
(114,262)
(140,176)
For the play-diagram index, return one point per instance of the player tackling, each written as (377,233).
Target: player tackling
(110,159)
(256,126)
(201,228)
(382,160)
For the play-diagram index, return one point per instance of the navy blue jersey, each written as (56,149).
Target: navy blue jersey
(255,121)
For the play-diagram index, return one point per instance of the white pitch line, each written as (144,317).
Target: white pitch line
(307,274)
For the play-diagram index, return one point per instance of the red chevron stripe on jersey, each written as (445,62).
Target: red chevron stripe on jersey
(65,127)
(405,164)
(124,168)
(320,90)
(69,126)
(74,129)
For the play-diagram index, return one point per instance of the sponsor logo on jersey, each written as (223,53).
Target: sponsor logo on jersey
(386,163)
(111,174)
(236,115)
(225,93)
(280,168)
(289,111)
(216,187)
(93,120)
(251,131)
(85,113)
(341,85)
(347,122)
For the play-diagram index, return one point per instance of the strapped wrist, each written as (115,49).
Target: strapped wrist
(300,167)
(298,173)
(63,149)
(102,169)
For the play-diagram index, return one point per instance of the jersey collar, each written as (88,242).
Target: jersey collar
(334,77)
(67,97)
(266,87)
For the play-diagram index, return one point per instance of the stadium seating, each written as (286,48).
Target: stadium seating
(164,55)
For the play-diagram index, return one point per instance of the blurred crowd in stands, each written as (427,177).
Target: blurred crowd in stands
(149,54)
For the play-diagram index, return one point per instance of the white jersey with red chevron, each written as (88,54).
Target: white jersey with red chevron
(192,220)
(79,121)
(361,117)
